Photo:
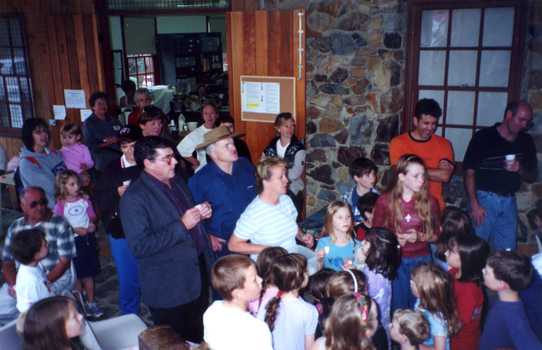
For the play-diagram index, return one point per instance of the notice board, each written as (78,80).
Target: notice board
(263,98)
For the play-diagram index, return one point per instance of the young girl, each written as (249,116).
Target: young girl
(346,325)
(434,289)
(453,222)
(50,324)
(265,261)
(74,205)
(466,256)
(380,255)
(409,328)
(292,320)
(407,209)
(337,244)
(76,155)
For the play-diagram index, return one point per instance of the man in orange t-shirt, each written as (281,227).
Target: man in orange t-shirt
(436,151)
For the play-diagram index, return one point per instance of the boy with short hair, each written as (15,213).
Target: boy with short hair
(363,171)
(226,323)
(366,206)
(409,328)
(29,247)
(507,326)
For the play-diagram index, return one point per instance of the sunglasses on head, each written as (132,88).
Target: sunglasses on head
(42,201)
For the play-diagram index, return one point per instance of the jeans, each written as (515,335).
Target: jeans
(127,273)
(502,219)
(402,296)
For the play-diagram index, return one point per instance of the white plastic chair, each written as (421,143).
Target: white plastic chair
(119,333)
(9,339)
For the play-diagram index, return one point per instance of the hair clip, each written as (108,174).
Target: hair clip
(280,293)
(355,281)
(362,306)
(320,308)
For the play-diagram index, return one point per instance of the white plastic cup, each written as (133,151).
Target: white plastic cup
(510,157)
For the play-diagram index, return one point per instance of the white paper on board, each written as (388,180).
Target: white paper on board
(75,98)
(85,113)
(59,112)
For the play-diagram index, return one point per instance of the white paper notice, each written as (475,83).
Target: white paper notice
(85,113)
(75,98)
(260,97)
(59,112)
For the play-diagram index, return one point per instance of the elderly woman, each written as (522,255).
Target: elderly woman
(142,97)
(115,180)
(286,146)
(100,130)
(39,164)
(151,122)
(209,113)
(269,219)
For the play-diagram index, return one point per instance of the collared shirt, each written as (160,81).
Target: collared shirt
(59,235)
(182,203)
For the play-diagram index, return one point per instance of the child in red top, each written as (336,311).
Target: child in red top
(467,255)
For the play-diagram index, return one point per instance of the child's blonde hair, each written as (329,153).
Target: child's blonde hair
(332,209)
(345,282)
(436,291)
(413,324)
(73,129)
(60,185)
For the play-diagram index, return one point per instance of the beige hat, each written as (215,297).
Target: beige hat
(217,134)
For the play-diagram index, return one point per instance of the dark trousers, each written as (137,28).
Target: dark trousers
(298,203)
(187,319)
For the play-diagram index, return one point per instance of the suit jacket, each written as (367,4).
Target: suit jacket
(167,258)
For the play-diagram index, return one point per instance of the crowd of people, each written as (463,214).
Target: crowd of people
(397,267)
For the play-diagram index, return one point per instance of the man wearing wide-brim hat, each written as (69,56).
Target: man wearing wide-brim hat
(227,183)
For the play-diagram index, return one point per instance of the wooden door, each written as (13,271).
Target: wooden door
(265,43)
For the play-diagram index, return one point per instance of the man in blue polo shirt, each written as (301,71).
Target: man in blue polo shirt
(227,183)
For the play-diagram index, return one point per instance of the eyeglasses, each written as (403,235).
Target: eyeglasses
(156,123)
(127,147)
(42,201)
(168,159)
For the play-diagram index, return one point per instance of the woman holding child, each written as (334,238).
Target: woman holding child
(411,212)
(270,219)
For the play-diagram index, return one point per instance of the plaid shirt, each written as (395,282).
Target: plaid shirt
(59,235)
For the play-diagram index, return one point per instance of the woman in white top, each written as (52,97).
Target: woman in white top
(269,220)
(209,112)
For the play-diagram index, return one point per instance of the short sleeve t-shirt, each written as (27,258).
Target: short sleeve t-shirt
(335,254)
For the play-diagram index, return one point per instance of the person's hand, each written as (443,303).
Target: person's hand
(359,256)
(86,179)
(182,164)
(196,165)
(308,240)
(321,254)
(445,165)
(205,210)
(191,218)
(216,242)
(402,238)
(413,235)
(83,166)
(12,292)
(91,227)
(477,213)
(511,165)
(81,231)
(121,189)
(347,264)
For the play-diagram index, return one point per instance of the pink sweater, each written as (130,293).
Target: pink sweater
(76,155)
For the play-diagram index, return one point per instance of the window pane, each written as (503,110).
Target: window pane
(491,107)
(13,89)
(16,116)
(4,37)
(465,27)
(2,91)
(132,66)
(462,69)
(460,108)
(431,70)
(434,94)
(20,64)
(140,65)
(495,68)
(434,28)
(460,140)
(148,64)
(141,81)
(498,26)
(16,32)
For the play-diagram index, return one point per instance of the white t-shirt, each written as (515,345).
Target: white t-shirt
(189,143)
(281,150)
(231,329)
(31,286)
(295,319)
(267,224)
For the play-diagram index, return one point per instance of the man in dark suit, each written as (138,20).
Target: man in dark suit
(164,232)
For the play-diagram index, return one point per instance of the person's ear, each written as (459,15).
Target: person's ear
(402,177)
(22,205)
(356,178)
(147,163)
(142,126)
(237,294)
(508,115)
(78,137)
(415,121)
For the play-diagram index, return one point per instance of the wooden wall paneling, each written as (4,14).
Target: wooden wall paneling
(96,24)
(56,71)
(262,42)
(93,76)
(301,84)
(81,59)
(235,59)
(72,47)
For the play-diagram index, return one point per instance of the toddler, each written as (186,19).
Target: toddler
(76,155)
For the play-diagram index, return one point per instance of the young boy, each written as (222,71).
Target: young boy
(366,206)
(226,323)
(507,326)
(29,247)
(363,171)
(409,328)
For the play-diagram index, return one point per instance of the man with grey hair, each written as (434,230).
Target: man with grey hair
(227,182)
(59,235)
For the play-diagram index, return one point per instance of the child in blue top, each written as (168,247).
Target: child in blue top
(337,245)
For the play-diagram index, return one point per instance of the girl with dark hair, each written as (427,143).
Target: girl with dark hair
(453,222)
(292,320)
(50,324)
(407,208)
(467,255)
(39,164)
